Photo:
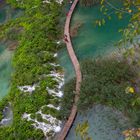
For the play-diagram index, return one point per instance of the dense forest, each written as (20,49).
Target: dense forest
(35,65)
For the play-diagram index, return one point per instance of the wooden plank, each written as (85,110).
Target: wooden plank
(76,65)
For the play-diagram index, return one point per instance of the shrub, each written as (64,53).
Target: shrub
(68,99)
(104,82)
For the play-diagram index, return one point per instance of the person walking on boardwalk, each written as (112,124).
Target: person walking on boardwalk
(65,38)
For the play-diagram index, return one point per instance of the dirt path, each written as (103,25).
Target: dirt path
(76,64)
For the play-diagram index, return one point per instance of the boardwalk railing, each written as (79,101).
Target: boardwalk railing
(76,65)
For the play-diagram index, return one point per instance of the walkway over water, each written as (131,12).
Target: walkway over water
(89,42)
(76,65)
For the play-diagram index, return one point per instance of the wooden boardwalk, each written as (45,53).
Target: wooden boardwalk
(76,65)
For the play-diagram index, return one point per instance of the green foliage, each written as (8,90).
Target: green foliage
(68,99)
(1,116)
(82,130)
(36,32)
(39,117)
(104,82)
(130,138)
(55,113)
(131,8)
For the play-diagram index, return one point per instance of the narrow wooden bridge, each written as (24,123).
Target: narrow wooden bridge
(76,65)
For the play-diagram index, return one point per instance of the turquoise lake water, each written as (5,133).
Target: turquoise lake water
(2,14)
(90,42)
(105,123)
(5,70)
(6,13)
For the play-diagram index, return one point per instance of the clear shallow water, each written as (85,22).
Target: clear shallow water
(65,62)
(5,71)
(2,14)
(105,123)
(6,13)
(92,41)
